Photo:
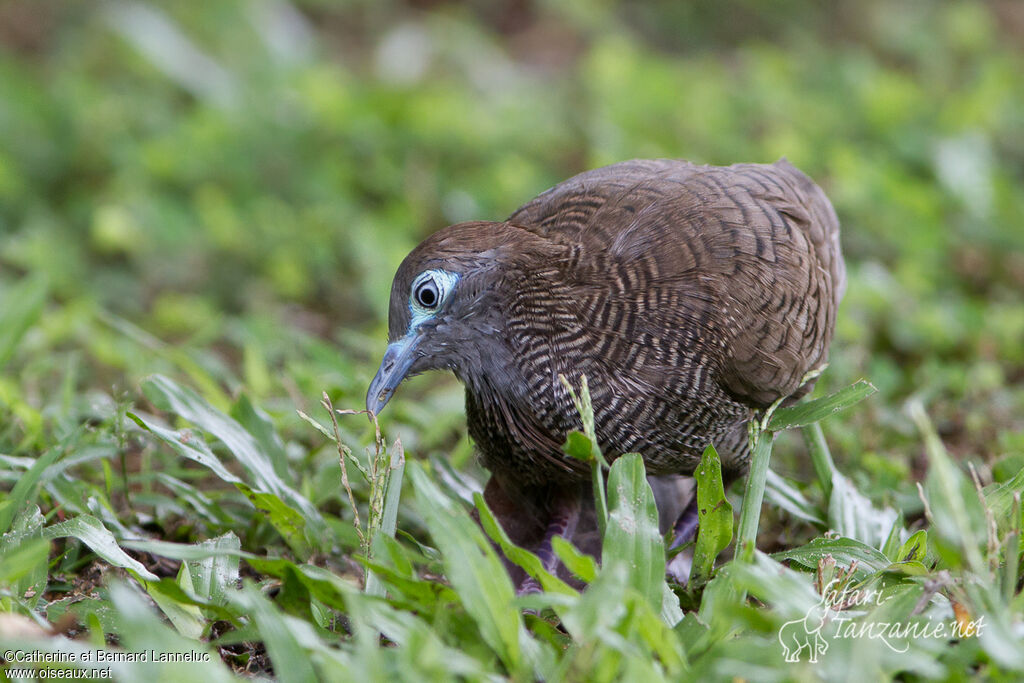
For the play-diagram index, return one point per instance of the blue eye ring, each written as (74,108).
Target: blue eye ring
(428,293)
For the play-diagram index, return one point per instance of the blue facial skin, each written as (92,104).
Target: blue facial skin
(429,292)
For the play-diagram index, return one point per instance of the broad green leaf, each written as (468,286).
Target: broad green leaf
(915,547)
(293,596)
(186,617)
(327,587)
(579,563)
(187,444)
(721,597)
(692,633)
(287,521)
(185,551)
(91,532)
(909,568)
(845,551)
(26,559)
(620,627)
(812,411)
(25,554)
(631,538)
(415,593)
(578,446)
(213,577)
(395,555)
(671,612)
(474,571)
(714,515)
(600,608)
(654,630)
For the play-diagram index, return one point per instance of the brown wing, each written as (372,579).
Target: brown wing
(737,267)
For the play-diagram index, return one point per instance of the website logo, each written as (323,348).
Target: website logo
(828,620)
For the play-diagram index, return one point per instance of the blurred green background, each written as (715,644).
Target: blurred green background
(223,190)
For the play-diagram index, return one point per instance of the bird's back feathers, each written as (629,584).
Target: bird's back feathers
(690,296)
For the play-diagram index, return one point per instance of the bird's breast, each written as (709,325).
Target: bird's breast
(521,433)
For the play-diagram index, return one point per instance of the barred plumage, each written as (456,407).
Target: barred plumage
(690,296)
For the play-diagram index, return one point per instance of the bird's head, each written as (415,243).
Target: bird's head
(444,311)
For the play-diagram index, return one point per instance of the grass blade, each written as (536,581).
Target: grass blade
(91,532)
(474,570)
(753,497)
(530,563)
(171,397)
(786,497)
(821,456)
(291,663)
(26,485)
(389,516)
(809,412)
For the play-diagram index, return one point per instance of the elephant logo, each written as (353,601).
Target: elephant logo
(805,634)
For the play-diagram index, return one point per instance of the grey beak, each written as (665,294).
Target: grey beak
(393,368)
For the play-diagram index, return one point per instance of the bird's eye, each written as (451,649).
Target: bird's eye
(426,294)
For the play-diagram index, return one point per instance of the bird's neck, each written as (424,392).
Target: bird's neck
(489,370)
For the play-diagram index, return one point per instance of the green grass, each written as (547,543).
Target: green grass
(279,583)
(185,273)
